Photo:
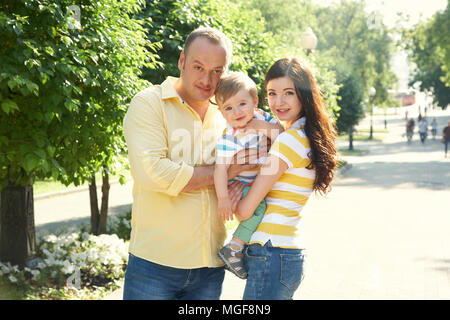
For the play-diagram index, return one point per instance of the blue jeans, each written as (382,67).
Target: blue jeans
(145,280)
(273,273)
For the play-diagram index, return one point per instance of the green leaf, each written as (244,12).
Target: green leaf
(55,173)
(9,106)
(30,162)
(122,179)
(40,153)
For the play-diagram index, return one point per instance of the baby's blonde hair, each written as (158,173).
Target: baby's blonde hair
(231,83)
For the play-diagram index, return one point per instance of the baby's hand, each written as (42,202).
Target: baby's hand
(224,209)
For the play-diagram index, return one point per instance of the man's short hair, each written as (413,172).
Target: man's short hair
(231,83)
(213,35)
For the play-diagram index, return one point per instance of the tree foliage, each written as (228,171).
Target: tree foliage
(64,86)
(172,21)
(428,44)
(352,44)
(351,96)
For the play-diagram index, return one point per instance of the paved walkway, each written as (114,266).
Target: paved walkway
(382,233)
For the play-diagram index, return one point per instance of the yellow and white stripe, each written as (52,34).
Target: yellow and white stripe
(282,221)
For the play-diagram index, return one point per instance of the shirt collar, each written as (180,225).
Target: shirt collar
(299,124)
(168,89)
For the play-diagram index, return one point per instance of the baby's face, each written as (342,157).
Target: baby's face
(238,109)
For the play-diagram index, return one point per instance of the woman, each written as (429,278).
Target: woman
(301,160)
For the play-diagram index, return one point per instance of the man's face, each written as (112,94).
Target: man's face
(201,68)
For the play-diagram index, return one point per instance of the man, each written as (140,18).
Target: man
(171,130)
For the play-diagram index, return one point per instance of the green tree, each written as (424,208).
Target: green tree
(66,76)
(172,21)
(429,49)
(351,108)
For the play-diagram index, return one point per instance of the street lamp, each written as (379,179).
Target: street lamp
(372,92)
(308,40)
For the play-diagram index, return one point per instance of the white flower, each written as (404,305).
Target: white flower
(12,279)
(68,268)
(35,274)
(50,238)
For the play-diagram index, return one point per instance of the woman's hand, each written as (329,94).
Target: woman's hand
(270,130)
(256,125)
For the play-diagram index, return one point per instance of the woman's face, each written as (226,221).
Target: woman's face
(283,99)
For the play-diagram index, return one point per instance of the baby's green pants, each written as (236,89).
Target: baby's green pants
(246,228)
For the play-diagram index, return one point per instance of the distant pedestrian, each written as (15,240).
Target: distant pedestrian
(410,129)
(423,129)
(434,128)
(446,137)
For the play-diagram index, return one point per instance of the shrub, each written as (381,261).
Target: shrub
(98,261)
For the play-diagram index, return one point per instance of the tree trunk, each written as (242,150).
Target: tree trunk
(104,207)
(350,138)
(99,217)
(94,205)
(17,231)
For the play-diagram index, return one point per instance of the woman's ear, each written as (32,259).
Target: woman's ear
(255,101)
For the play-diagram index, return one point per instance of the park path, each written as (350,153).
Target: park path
(381,233)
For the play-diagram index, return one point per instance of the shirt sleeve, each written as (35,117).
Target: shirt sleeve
(146,138)
(291,147)
(268,117)
(227,147)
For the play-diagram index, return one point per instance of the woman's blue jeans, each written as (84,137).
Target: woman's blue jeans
(145,280)
(273,273)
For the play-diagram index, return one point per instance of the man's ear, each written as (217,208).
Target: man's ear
(181,61)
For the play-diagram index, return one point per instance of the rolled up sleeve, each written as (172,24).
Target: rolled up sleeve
(146,137)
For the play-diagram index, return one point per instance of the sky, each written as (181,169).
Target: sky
(416,9)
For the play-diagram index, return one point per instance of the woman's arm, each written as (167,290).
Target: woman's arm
(270,172)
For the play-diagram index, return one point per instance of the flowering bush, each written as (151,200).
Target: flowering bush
(95,263)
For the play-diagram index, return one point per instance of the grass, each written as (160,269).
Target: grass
(49,185)
(360,137)
(9,292)
(367,130)
(354,152)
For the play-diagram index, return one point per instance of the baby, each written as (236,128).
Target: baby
(237,98)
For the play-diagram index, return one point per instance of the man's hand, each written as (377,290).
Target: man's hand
(235,194)
(246,160)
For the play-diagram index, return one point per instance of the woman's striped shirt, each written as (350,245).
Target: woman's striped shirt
(281,223)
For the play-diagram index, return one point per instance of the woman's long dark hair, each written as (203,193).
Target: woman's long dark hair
(318,128)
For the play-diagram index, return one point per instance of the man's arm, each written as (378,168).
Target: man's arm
(146,138)
(204,175)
